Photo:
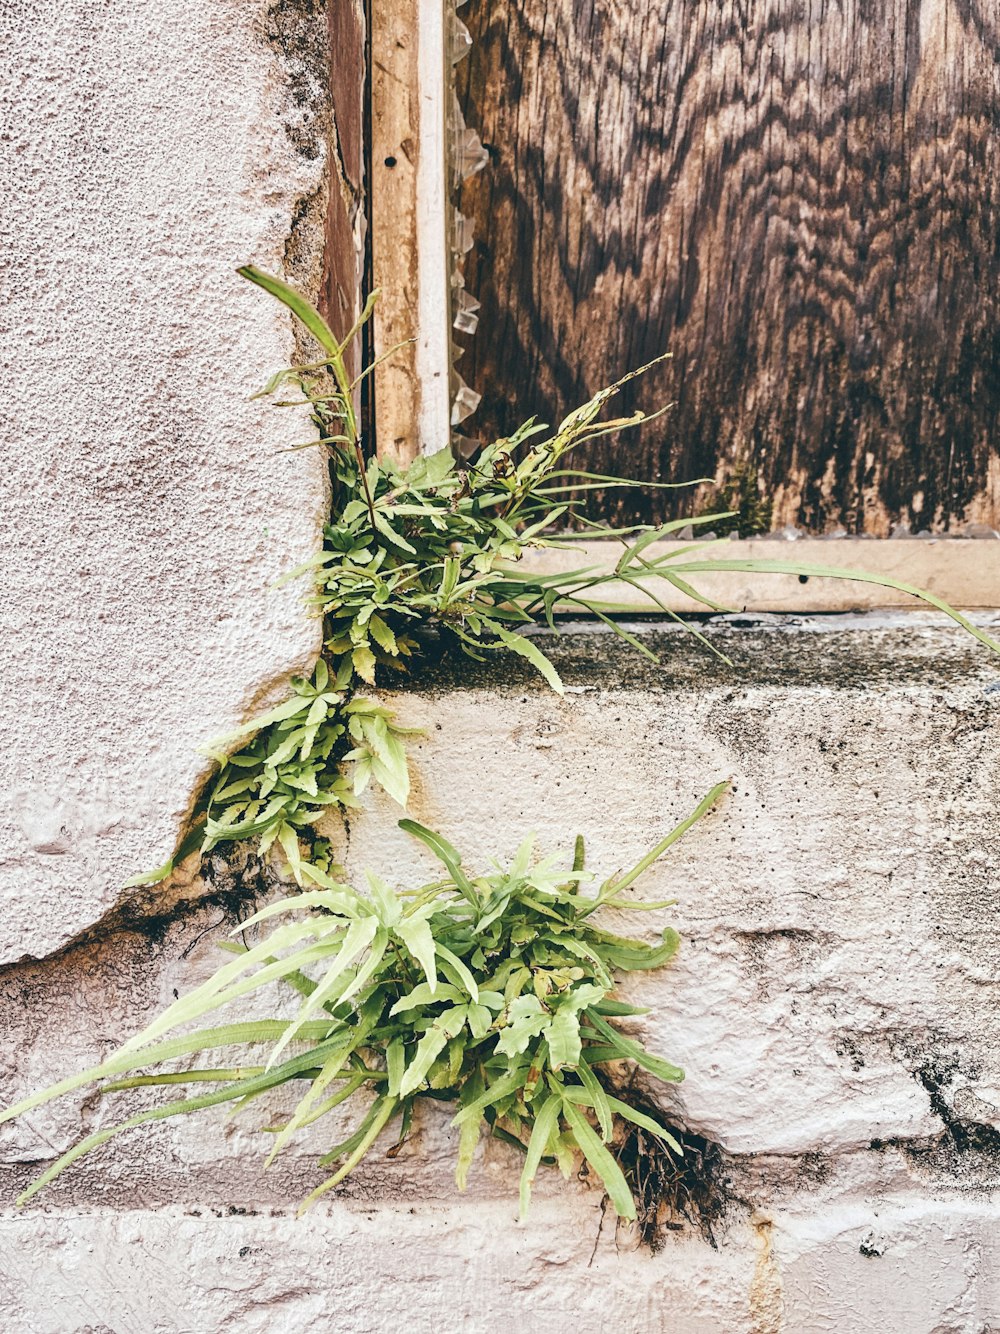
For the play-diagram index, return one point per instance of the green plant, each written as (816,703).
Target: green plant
(438,543)
(494,992)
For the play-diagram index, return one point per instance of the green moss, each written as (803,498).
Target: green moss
(742,494)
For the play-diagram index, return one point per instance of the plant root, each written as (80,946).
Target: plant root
(672,1191)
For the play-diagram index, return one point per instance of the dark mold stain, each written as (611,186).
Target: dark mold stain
(853,655)
(872,1246)
(967,1136)
(232,881)
(965,1154)
(297,29)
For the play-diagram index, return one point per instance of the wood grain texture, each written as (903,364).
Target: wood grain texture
(344,250)
(797,198)
(395,131)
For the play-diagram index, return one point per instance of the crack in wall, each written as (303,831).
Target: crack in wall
(232,880)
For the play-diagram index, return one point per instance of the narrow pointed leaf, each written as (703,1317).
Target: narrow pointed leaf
(601,1161)
(546,1124)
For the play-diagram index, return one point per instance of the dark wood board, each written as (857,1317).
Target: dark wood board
(343,273)
(798,199)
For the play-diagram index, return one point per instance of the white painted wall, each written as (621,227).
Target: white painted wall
(147,151)
(834,1003)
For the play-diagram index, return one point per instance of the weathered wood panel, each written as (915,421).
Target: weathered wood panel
(408,248)
(345,223)
(798,198)
(396,146)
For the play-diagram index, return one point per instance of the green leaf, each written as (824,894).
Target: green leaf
(832,572)
(428,471)
(239,1089)
(428,1050)
(601,1161)
(599,1100)
(480,1021)
(452,966)
(390,534)
(422,995)
(390,768)
(446,1026)
(533,654)
(546,1124)
(296,303)
(630,955)
(364,662)
(255,1031)
(222,986)
(449,580)
(618,1009)
(638,1118)
(382,1113)
(705,805)
(289,841)
(381,633)
(395,1062)
(287,709)
(468,1139)
(307,1109)
(338,900)
(359,936)
(387,904)
(444,851)
(563,1038)
(501,1088)
(188,845)
(527,1018)
(362,319)
(416,935)
(368,968)
(634,1051)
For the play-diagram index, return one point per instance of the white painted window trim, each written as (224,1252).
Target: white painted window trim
(433,251)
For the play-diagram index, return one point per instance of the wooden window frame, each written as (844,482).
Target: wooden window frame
(412,265)
(408,229)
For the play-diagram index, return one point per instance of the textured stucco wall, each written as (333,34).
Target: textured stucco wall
(147,150)
(835,1003)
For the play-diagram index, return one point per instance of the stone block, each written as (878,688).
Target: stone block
(150,150)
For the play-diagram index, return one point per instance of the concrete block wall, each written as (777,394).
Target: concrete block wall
(834,1003)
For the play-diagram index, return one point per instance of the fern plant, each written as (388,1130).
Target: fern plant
(437,543)
(495,993)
